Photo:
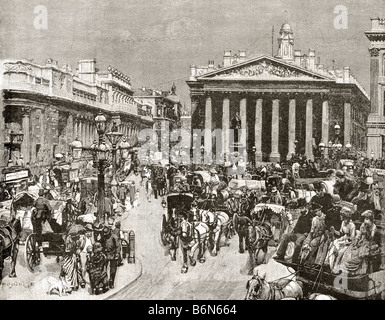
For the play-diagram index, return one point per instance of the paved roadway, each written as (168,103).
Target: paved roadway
(222,277)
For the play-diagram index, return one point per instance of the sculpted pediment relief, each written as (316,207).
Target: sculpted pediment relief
(263,70)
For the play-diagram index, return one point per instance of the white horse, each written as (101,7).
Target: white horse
(218,222)
(259,289)
(193,236)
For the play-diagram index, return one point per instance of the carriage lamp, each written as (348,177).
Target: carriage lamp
(164,203)
(76,146)
(100,120)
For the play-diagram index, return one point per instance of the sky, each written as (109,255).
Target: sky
(155,41)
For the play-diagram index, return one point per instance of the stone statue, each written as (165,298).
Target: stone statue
(236,125)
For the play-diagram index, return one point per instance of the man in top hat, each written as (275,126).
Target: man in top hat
(196,185)
(111,245)
(41,213)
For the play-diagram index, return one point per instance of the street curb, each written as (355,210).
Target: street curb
(112,295)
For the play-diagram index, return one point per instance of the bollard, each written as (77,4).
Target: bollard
(131,247)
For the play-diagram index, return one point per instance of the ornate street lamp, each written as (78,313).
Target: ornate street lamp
(253,161)
(76,146)
(321,148)
(337,130)
(203,153)
(100,120)
(101,155)
(114,137)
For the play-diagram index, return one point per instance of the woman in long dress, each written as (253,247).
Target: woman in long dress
(355,260)
(346,234)
(71,265)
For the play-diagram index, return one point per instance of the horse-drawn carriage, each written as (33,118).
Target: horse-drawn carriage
(52,234)
(360,271)
(178,203)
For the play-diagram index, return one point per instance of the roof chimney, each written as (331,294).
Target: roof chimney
(87,70)
(227,58)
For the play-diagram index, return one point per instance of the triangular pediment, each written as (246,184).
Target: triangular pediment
(263,68)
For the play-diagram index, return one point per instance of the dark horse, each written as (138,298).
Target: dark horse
(257,239)
(9,244)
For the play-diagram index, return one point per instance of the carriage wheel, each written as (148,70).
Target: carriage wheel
(163,231)
(32,254)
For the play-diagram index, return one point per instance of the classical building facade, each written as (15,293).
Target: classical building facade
(376,119)
(169,113)
(52,106)
(286,102)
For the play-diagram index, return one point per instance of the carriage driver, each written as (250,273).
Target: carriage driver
(41,213)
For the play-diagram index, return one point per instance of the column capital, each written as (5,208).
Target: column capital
(26,111)
(374,52)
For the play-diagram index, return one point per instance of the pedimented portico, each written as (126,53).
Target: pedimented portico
(279,101)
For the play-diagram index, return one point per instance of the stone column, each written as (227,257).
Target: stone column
(243,136)
(26,144)
(226,126)
(347,122)
(291,130)
(80,131)
(274,155)
(325,125)
(258,130)
(309,130)
(208,126)
(374,79)
(76,132)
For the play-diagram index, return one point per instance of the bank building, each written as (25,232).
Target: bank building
(286,103)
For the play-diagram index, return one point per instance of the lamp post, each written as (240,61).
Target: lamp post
(76,146)
(203,153)
(114,137)
(253,150)
(101,163)
(321,147)
(15,139)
